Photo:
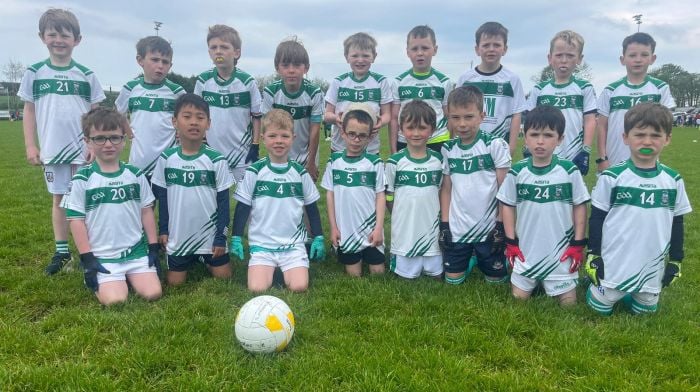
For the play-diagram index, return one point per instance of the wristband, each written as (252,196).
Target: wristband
(581,242)
(586,149)
(389,198)
(601,159)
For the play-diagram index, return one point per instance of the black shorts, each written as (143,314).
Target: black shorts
(184,263)
(455,259)
(369,255)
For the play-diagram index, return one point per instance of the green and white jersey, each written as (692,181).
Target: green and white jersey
(544,198)
(432,88)
(619,97)
(111,204)
(192,182)
(641,206)
(355,182)
(61,95)
(472,171)
(373,89)
(575,99)
(231,104)
(277,195)
(150,108)
(503,97)
(305,106)
(415,219)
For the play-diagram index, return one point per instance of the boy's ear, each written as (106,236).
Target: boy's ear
(139,60)
(236,54)
(435,51)
(653,59)
(78,39)
(622,60)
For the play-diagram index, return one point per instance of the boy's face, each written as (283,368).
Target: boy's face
(464,121)
(541,142)
(60,44)
(416,133)
(155,66)
(491,48)
(191,123)
(106,146)
(420,50)
(292,75)
(278,142)
(645,143)
(563,59)
(356,136)
(360,60)
(222,53)
(637,59)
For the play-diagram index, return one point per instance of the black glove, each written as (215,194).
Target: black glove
(153,261)
(498,235)
(91,266)
(671,273)
(595,268)
(253,153)
(445,237)
(581,161)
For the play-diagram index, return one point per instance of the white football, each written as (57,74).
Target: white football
(265,324)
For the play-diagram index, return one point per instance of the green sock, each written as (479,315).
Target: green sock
(62,247)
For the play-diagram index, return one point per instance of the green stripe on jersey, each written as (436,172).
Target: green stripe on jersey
(643,198)
(114,195)
(151,104)
(190,178)
(407,93)
(626,103)
(43,87)
(418,179)
(297,112)
(364,95)
(135,252)
(492,88)
(562,101)
(229,100)
(353,179)
(278,190)
(471,165)
(544,193)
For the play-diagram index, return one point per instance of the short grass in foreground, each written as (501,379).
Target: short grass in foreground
(377,333)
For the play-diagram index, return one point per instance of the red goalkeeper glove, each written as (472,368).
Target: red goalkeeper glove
(574,252)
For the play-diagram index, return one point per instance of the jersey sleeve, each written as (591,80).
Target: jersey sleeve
(589,102)
(507,191)
(147,197)
(380,185)
(332,93)
(600,198)
(448,85)
(255,98)
(327,180)
(666,97)
(390,173)
(317,107)
(122,101)
(500,153)
(224,177)
(198,87)
(97,94)
(395,92)
(158,177)
(518,96)
(445,161)
(682,206)
(579,192)
(26,86)
(267,101)
(385,87)
(244,190)
(310,192)
(74,202)
(604,102)
(531,101)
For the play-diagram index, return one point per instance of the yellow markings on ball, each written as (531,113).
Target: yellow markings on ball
(273,323)
(290,317)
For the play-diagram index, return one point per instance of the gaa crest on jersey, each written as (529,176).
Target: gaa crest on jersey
(480,162)
(203,178)
(664,198)
(557,192)
(49,176)
(363,179)
(499,89)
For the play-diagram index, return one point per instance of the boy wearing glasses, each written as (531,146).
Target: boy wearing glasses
(354,183)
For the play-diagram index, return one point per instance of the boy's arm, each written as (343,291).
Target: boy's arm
(148,220)
(602,139)
(223,215)
(676,252)
(514,130)
(240,218)
(161,195)
(500,176)
(595,230)
(589,125)
(329,116)
(330,206)
(377,236)
(314,132)
(580,212)
(384,116)
(394,127)
(29,128)
(509,216)
(445,198)
(80,235)
(314,219)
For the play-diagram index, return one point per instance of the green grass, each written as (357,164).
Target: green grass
(376,333)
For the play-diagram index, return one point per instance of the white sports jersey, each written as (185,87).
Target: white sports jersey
(432,88)
(544,198)
(111,204)
(277,196)
(150,108)
(355,182)
(305,106)
(61,95)
(503,97)
(575,99)
(619,97)
(641,206)
(374,89)
(231,104)
(472,171)
(192,183)
(415,219)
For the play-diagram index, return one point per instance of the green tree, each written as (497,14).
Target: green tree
(12,72)
(186,82)
(685,86)
(583,71)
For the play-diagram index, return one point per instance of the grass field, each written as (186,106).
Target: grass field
(376,333)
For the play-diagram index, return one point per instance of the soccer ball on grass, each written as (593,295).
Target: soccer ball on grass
(265,324)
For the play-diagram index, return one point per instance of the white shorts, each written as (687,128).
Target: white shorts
(238,173)
(58,177)
(119,271)
(413,267)
(296,257)
(551,287)
(602,299)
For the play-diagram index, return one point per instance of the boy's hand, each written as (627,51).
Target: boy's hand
(163,241)
(153,261)
(218,251)
(671,273)
(339,120)
(574,252)
(498,235)
(582,159)
(236,247)
(445,236)
(253,153)
(318,249)
(603,165)
(335,237)
(91,266)
(595,269)
(513,252)
(33,156)
(376,237)
(312,169)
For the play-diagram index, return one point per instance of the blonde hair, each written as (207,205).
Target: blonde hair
(279,119)
(226,33)
(570,37)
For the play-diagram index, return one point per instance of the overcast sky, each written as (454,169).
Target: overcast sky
(110,31)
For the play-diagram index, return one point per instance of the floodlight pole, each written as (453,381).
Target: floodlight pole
(638,19)
(156,26)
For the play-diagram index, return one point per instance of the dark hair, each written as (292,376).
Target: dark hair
(545,116)
(191,99)
(361,41)
(421,32)
(360,116)
(59,20)
(416,112)
(649,114)
(153,44)
(291,51)
(638,38)
(464,96)
(492,29)
(104,119)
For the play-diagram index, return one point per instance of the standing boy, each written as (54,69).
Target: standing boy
(504,99)
(424,83)
(110,214)
(56,93)
(274,194)
(300,98)
(637,218)
(474,166)
(234,101)
(574,97)
(619,97)
(543,202)
(354,181)
(191,182)
(149,100)
(413,177)
(358,85)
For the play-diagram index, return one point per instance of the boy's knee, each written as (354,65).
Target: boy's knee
(152,294)
(568,298)
(298,287)
(258,287)
(108,299)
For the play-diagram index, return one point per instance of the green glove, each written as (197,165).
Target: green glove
(236,247)
(594,269)
(671,273)
(318,249)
